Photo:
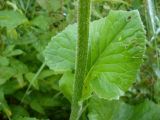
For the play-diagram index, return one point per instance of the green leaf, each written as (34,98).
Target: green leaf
(18,111)
(24,118)
(4,61)
(18,66)
(116,47)
(35,105)
(112,1)
(4,106)
(66,84)
(12,34)
(100,109)
(42,22)
(11,19)
(60,52)
(5,74)
(39,101)
(12,85)
(50,83)
(50,5)
(15,52)
(157,91)
(46,73)
(30,77)
(50,101)
(10,51)
(20,69)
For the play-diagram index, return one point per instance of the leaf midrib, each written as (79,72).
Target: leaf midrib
(113,39)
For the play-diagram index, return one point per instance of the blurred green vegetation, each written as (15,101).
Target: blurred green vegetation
(28,89)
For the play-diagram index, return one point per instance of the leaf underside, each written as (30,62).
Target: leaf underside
(116,48)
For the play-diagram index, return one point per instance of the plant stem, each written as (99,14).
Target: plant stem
(81,56)
(151,18)
(32,80)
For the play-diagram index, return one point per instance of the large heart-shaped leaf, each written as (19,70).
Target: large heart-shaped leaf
(116,47)
(100,109)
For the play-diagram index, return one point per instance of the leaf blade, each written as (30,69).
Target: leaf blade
(11,19)
(116,48)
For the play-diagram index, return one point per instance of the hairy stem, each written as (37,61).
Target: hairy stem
(81,56)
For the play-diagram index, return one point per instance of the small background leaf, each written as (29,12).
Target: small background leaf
(11,19)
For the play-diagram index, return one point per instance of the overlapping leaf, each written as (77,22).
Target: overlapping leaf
(5,74)
(11,19)
(68,78)
(117,110)
(116,47)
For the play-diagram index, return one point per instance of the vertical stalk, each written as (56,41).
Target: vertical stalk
(151,18)
(81,56)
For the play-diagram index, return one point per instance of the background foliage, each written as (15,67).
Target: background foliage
(29,90)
